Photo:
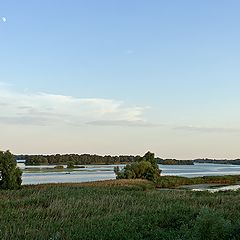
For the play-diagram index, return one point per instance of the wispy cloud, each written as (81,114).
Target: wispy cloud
(25,120)
(137,123)
(208,129)
(51,109)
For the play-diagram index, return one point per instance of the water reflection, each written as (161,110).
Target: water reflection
(63,177)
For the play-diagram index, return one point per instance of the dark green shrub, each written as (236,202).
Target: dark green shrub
(59,167)
(145,167)
(211,225)
(70,165)
(10,174)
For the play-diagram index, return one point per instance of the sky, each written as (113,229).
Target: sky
(120,77)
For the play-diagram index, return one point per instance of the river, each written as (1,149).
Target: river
(47,174)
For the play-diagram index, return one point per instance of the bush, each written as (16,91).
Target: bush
(211,225)
(145,168)
(70,165)
(59,167)
(10,174)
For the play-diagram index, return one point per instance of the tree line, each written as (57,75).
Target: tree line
(84,159)
(216,161)
(76,159)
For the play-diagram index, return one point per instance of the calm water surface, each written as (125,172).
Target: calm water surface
(47,174)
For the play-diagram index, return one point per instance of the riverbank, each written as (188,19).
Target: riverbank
(176,181)
(117,209)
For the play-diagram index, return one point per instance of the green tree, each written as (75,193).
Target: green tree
(70,164)
(149,157)
(145,167)
(10,174)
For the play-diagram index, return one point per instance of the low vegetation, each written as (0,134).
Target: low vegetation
(122,209)
(175,181)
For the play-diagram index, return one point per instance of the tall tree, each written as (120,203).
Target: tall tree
(10,174)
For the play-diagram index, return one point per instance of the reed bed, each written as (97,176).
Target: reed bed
(117,210)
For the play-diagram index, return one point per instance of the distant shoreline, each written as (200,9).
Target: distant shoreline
(88,159)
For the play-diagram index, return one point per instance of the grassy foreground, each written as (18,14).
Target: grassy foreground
(123,209)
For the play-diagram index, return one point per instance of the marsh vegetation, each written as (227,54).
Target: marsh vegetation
(118,209)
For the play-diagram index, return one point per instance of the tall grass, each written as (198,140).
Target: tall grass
(123,210)
(175,181)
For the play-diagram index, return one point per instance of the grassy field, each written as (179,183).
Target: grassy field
(123,209)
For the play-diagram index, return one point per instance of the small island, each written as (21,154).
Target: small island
(88,159)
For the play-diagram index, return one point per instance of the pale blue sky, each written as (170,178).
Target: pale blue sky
(120,77)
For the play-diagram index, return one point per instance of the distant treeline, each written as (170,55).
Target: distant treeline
(224,161)
(174,162)
(75,159)
(84,159)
